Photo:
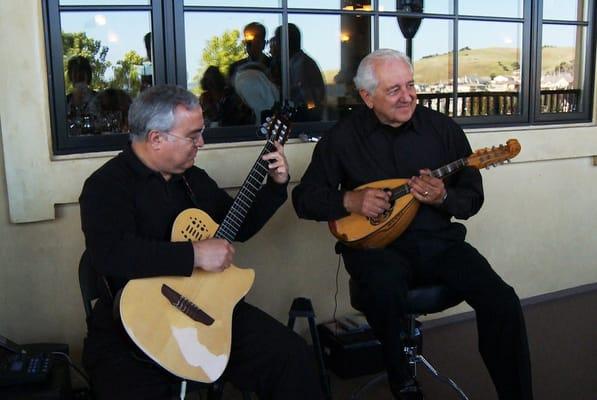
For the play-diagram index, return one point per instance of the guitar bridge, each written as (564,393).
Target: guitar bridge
(186,306)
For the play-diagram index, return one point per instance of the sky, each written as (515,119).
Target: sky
(322,33)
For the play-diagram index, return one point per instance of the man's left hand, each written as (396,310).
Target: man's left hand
(278,165)
(426,188)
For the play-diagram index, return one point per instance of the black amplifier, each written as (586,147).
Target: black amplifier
(350,348)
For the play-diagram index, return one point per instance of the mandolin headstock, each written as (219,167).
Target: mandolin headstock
(488,157)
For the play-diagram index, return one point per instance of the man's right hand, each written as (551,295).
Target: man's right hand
(213,254)
(367,202)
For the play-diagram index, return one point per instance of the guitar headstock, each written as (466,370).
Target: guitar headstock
(277,127)
(487,157)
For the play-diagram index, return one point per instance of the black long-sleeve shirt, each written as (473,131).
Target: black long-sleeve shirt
(127,212)
(360,149)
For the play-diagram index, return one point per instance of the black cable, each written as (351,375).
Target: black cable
(73,366)
(336,293)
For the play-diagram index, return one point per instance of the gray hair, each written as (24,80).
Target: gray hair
(153,109)
(365,78)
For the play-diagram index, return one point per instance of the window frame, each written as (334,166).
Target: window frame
(169,65)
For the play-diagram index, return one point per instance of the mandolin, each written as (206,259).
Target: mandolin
(361,232)
(185,323)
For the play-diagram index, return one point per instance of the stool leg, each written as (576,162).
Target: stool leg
(441,378)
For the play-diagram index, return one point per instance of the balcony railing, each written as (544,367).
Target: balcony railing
(471,104)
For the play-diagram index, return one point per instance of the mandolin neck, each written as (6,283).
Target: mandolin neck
(245,196)
(439,173)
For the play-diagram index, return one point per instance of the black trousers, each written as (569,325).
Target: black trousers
(385,275)
(266,358)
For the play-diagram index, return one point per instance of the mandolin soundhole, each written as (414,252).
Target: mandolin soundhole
(381,217)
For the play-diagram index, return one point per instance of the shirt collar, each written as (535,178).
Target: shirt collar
(372,122)
(141,169)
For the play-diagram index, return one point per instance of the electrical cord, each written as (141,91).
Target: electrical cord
(336,293)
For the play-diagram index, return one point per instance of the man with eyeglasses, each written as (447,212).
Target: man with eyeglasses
(127,210)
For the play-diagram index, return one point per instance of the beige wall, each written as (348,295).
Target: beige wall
(536,228)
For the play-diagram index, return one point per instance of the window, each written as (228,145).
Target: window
(512,62)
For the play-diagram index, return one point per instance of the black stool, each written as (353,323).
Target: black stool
(302,308)
(420,301)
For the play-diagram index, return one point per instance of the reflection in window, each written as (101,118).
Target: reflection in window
(323,4)
(489,62)
(314,44)
(562,66)
(502,8)
(234,3)
(429,6)
(107,61)
(431,57)
(105,2)
(229,66)
(569,10)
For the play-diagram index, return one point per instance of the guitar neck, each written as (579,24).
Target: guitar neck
(245,197)
(440,173)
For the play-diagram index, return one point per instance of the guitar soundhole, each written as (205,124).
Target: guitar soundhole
(194,230)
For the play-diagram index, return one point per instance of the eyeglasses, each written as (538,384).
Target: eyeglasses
(195,139)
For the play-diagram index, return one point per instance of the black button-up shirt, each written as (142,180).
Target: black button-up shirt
(360,149)
(127,211)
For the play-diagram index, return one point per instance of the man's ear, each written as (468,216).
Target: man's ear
(154,139)
(366,97)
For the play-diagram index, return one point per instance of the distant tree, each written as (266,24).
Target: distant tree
(515,65)
(220,51)
(77,43)
(126,75)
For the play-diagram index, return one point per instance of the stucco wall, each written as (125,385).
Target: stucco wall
(536,228)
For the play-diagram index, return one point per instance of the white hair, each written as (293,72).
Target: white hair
(365,78)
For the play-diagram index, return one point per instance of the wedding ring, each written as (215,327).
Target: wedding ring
(425,194)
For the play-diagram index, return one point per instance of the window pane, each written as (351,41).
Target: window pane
(234,3)
(321,72)
(429,6)
(433,64)
(503,8)
(229,66)
(489,60)
(571,10)
(330,4)
(106,64)
(105,2)
(562,68)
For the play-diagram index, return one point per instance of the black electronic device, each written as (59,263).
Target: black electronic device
(350,348)
(17,366)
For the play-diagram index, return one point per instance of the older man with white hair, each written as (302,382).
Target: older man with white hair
(394,137)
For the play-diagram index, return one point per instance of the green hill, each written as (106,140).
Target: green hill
(485,62)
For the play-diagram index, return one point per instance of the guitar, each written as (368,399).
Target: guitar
(361,232)
(184,323)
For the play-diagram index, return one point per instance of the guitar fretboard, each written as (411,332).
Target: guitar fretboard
(245,197)
(440,173)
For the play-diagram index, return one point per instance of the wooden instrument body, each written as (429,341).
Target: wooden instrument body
(182,346)
(360,232)
(366,233)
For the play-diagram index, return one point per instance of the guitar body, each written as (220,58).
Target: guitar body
(361,232)
(183,346)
